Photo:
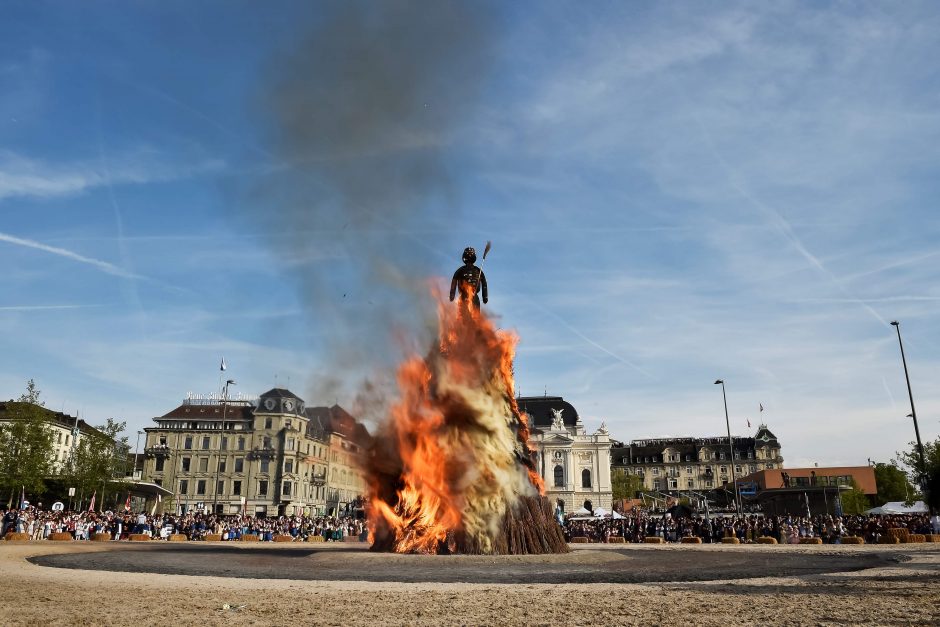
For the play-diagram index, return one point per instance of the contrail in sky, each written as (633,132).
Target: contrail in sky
(104,266)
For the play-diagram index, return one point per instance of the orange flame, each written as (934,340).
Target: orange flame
(454,453)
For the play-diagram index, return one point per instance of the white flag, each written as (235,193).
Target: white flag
(222,367)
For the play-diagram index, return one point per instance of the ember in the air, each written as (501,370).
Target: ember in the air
(451,470)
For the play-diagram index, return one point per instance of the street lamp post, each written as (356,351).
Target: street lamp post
(218,460)
(734,480)
(921,474)
(136,451)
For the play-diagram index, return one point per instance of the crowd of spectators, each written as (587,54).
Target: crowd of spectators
(636,527)
(82,525)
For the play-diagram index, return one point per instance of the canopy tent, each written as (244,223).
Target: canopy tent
(581,512)
(615,516)
(898,507)
(600,512)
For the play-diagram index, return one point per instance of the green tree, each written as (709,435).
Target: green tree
(99,458)
(926,477)
(893,484)
(624,485)
(855,501)
(26,447)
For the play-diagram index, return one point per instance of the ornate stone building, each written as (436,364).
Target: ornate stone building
(574,464)
(265,457)
(674,465)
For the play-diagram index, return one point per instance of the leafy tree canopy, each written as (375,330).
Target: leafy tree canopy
(926,477)
(625,485)
(26,446)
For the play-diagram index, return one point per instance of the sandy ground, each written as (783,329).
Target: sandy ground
(904,593)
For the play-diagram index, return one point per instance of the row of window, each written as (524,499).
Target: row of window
(559,477)
(676,457)
(289,445)
(201,486)
(203,463)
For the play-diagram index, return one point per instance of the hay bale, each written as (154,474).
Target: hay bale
(917,537)
(886,539)
(213,537)
(766,540)
(315,539)
(902,534)
(14,536)
(616,540)
(139,537)
(932,537)
(579,540)
(653,540)
(101,537)
(251,537)
(61,536)
(283,538)
(691,540)
(853,540)
(178,537)
(730,540)
(811,541)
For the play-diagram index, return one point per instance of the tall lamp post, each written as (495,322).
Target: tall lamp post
(136,451)
(921,474)
(734,479)
(218,460)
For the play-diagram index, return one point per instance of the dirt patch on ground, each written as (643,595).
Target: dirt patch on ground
(895,592)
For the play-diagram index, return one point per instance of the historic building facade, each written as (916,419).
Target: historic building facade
(675,465)
(67,431)
(265,457)
(574,464)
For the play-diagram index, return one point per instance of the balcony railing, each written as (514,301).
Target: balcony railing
(158,450)
(262,453)
(318,480)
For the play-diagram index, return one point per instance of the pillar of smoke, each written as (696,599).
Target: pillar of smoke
(365,110)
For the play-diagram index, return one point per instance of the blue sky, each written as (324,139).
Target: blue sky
(675,193)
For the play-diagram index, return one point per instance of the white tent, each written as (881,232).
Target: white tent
(600,512)
(898,507)
(615,516)
(581,512)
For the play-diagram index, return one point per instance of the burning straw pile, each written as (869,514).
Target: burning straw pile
(451,470)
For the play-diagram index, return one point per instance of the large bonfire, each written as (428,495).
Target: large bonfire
(451,470)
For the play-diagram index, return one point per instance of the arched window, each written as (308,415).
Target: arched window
(585,478)
(559,477)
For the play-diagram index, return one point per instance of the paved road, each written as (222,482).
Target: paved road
(355,564)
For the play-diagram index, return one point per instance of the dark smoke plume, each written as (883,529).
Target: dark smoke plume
(366,107)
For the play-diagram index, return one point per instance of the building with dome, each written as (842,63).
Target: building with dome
(574,464)
(266,456)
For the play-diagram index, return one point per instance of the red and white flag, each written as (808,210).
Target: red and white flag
(91,507)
